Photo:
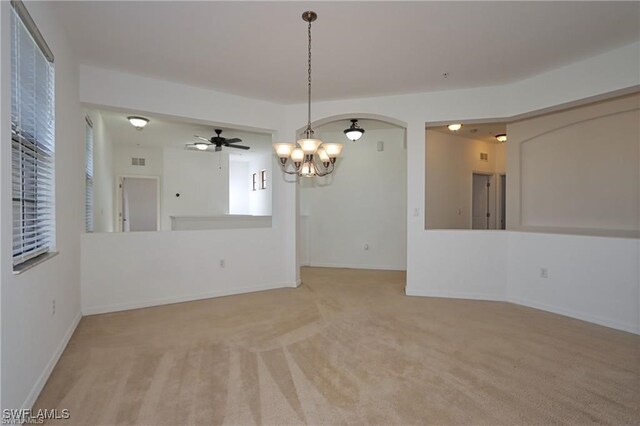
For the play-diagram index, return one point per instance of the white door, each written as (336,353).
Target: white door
(139,204)
(481,202)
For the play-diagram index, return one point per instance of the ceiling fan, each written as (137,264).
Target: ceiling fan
(217,141)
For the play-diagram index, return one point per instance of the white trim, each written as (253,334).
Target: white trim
(103,309)
(454,295)
(356,266)
(595,319)
(44,376)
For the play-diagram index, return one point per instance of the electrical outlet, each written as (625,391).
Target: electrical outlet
(223,263)
(544,273)
(416,212)
(53,307)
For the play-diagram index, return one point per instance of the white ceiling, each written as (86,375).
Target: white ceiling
(162,132)
(483,132)
(258,49)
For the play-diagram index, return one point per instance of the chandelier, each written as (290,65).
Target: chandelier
(311,157)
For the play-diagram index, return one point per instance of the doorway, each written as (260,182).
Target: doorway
(502,202)
(482,215)
(139,203)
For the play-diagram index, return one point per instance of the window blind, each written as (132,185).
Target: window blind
(88,176)
(32,139)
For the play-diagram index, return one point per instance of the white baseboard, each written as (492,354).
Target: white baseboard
(103,309)
(44,376)
(607,322)
(356,266)
(595,319)
(453,295)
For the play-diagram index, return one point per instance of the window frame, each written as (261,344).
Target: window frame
(89,176)
(32,142)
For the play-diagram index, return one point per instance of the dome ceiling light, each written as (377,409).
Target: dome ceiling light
(354,132)
(455,127)
(138,122)
(305,156)
(502,138)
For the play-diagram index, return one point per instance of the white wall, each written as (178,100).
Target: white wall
(201,179)
(362,203)
(103,176)
(32,338)
(438,262)
(239,187)
(132,270)
(451,161)
(255,258)
(590,278)
(577,171)
(446,263)
(124,153)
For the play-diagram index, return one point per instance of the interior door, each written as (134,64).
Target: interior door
(139,204)
(481,202)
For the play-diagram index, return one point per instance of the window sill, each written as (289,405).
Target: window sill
(31,263)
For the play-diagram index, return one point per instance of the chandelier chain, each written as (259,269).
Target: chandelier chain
(309,81)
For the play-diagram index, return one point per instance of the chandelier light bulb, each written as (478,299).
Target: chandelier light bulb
(309,146)
(333,150)
(284,150)
(308,169)
(322,154)
(297,155)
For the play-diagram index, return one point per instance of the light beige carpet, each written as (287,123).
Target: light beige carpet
(345,347)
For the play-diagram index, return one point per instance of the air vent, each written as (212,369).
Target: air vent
(484,156)
(138,161)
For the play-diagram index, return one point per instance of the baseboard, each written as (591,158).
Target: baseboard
(454,295)
(42,380)
(607,322)
(94,310)
(355,266)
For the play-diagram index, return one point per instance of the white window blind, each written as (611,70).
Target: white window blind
(88,176)
(32,139)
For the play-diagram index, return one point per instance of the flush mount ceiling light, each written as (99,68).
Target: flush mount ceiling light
(501,137)
(354,132)
(138,122)
(304,157)
(455,127)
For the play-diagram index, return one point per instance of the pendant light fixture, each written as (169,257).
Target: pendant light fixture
(354,132)
(311,157)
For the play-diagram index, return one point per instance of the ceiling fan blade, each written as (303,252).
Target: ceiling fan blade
(238,146)
(234,140)
(204,139)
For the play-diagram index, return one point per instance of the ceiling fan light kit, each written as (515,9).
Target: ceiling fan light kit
(217,141)
(311,157)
